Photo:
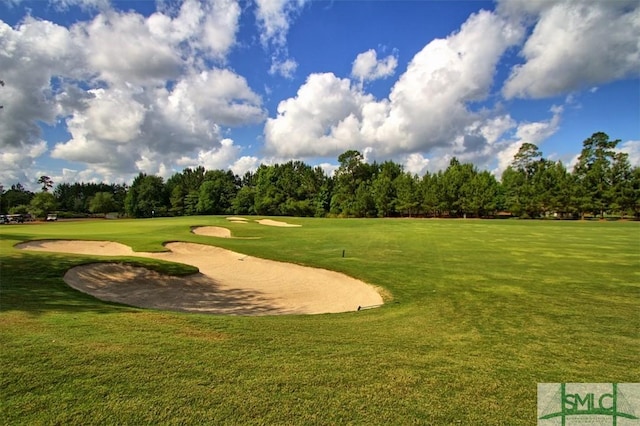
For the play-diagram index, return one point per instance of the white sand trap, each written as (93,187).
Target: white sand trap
(270,222)
(105,248)
(212,231)
(228,282)
(216,231)
(238,219)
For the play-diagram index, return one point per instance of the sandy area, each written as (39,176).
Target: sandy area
(236,219)
(270,222)
(228,282)
(212,231)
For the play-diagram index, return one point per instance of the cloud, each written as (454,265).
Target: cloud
(214,96)
(574,45)
(426,108)
(226,156)
(30,56)
(111,115)
(122,48)
(416,163)
(84,4)
(633,149)
(286,68)
(529,132)
(126,86)
(273,18)
(126,47)
(315,121)
(213,159)
(123,126)
(367,67)
(16,164)
(245,164)
(220,26)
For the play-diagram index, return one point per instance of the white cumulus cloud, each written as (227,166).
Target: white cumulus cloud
(274,18)
(135,92)
(574,45)
(367,66)
(632,148)
(426,108)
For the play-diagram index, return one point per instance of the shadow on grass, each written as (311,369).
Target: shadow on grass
(33,283)
(142,287)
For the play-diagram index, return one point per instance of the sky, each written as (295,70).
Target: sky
(100,90)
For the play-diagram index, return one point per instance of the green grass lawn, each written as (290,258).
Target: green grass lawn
(478,313)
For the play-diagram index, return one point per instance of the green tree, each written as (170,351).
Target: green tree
(42,204)
(384,190)
(191,201)
(406,187)
(293,188)
(635,187)
(621,193)
(481,194)
(244,201)
(46,183)
(19,209)
(513,184)
(177,200)
(182,185)
(208,198)
(268,193)
(217,192)
(455,191)
(558,189)
(322,203)
(428,194)
(364,205)
(147,197)
(352,173)
(76,197)
(15,196)
(526,159)
(102,202)
(594,173)
(522,195)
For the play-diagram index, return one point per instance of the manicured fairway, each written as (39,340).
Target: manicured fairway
(477,313)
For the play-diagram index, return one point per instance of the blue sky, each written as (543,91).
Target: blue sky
(99,90)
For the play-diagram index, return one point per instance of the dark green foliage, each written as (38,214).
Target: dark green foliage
(293,189)
(215,195)
(76,197)
(147,197)
(46,183)
(603,182)
(16,196)
(595,173)
(102,202)
(42,204)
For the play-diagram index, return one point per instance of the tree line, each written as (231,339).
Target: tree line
(602,182)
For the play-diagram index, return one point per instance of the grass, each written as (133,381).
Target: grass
(479,313)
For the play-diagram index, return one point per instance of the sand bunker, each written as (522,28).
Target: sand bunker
(228,282)
(105,248)
(212,231)
(216,231)
(270,222)
(237,219)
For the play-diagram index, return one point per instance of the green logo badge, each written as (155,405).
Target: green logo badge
(567,404)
